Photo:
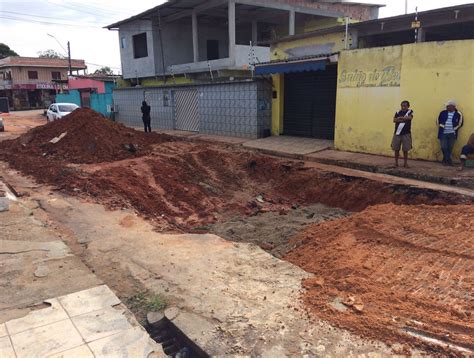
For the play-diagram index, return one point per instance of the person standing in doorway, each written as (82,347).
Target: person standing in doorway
(449,123)
(146,110)
(402,136)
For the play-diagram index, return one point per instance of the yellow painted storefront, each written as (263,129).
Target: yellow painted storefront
(372,83)
(324,44)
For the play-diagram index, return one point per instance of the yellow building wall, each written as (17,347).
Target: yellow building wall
(178,80)
(277,104)
(430,74)
(324,44)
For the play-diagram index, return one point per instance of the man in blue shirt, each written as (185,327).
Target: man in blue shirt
(449,123)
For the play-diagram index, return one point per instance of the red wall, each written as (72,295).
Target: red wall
(78,83)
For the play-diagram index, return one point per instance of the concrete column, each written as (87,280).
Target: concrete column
(292,23)
(421,35)
(232,29)
(195,38)
(254,32)
(355,39)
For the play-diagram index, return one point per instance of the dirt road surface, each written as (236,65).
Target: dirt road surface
(232,298)
(17,123)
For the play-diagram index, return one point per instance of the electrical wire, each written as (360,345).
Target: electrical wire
(102,9)
(23,14)
(81,9)
(48,22)
(95,64)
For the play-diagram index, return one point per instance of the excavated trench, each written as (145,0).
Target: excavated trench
(387,259)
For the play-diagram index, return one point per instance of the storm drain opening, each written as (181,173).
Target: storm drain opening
(174,342)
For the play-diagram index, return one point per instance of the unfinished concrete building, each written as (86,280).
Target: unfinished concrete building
(219,38)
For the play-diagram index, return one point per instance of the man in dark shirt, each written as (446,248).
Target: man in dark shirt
(146,109)
(402,136)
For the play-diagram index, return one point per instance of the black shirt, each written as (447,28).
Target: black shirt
(407,128)
(146,109)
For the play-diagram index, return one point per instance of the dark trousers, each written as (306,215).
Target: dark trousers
(467,150)
(447,144)
(147,124)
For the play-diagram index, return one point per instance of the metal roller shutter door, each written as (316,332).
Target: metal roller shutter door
(310,103)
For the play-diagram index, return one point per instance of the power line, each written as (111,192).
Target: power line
(23,14)
(48,22)
(107,10)
(95,64)
(95,13)
(7,17)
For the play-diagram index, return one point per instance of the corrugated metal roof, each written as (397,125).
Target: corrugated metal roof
(299,59)
(41,62)
(296,64)
(387,20)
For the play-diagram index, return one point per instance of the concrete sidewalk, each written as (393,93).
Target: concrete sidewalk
(418,169)
(90,323)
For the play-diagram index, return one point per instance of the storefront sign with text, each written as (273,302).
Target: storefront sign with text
(386,77)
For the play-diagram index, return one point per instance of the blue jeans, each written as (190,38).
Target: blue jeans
(447,144)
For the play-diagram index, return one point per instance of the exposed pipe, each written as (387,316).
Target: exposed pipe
(161,47)
(346,39)
(416,28)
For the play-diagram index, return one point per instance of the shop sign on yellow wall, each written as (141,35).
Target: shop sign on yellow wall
(388,76)
(361,70)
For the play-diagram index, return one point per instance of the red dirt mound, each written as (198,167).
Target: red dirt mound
(392,272)
(185,185)
(88,138)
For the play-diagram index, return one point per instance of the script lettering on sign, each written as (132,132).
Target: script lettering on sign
(386,77)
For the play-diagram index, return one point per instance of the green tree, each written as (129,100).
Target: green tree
(105,70)
(6,51)
(50,54)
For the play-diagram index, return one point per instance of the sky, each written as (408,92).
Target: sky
(25,25)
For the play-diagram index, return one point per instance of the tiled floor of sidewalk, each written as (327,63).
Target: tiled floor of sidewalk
(89,323)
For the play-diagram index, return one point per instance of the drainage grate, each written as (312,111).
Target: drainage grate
(174,342)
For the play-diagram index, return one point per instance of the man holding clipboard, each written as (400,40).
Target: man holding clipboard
(402,136)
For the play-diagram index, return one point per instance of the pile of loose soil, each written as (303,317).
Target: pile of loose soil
(183,186)
(393,273)
(85,137)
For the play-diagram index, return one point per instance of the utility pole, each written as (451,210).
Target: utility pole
(406,7)
(69,58)
(68,52)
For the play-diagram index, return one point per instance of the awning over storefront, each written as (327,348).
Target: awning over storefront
(295,65)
